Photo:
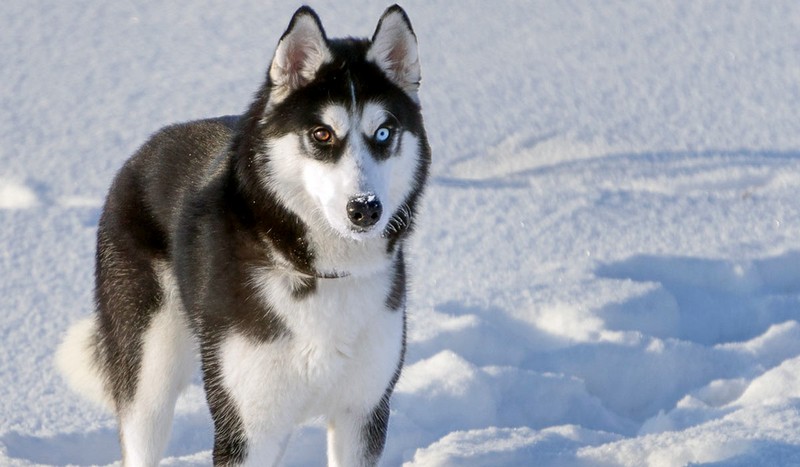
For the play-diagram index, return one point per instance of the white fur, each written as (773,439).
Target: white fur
(166,369)
(338,118)
(343,351)
(372,117)
(75,360)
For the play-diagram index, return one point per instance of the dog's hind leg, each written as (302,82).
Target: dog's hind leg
(143,342)
(166,367)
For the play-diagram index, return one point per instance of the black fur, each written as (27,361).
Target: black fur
(397,294)
(230,442)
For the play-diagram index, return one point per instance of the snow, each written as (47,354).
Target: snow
(607,266)
(15,195)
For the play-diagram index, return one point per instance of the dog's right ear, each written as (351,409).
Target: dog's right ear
(302,50)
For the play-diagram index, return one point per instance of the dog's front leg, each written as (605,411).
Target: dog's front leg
(252,401)
(357,438)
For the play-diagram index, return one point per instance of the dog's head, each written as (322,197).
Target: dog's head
(344,144)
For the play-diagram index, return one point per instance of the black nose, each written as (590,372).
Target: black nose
(364,211)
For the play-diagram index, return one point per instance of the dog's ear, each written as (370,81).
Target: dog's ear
(394,50)
(302,50)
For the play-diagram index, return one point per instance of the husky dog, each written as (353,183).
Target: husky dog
(272,245)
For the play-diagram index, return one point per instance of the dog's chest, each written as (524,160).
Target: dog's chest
(333,323)
(342,346)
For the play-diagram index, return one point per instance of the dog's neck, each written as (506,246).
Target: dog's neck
(335,256)
(326,255)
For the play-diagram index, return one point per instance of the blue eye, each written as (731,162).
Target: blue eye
(383,134)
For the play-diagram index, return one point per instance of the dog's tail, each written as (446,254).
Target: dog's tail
(76,359)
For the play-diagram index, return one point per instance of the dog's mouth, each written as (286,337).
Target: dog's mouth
(360,233)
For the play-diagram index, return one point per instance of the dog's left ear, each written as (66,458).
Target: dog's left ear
(394,50)
(301,52)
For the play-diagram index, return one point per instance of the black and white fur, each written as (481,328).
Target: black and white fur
(272,245)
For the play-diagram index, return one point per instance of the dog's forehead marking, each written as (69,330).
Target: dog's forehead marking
(373,116)
(338,118)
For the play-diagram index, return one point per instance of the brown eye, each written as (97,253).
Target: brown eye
(322,135)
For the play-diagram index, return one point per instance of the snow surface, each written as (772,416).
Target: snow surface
(607,269)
